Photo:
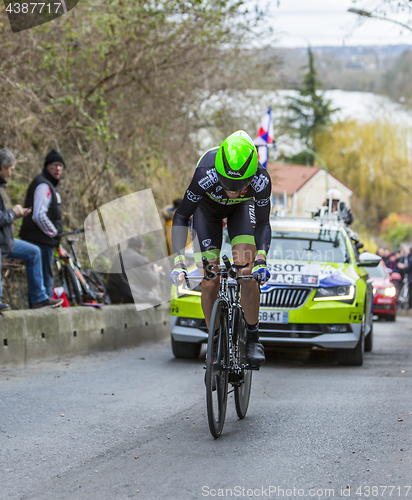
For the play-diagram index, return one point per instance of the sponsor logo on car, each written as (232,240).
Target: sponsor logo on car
(294,274)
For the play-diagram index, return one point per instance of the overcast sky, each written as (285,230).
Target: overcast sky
(297,23)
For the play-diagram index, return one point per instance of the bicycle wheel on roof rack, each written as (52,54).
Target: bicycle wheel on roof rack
(217,361)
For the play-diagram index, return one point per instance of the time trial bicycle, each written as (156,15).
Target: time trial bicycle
(226,349)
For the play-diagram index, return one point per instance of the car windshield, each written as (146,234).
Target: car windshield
(308,245)
(378,271)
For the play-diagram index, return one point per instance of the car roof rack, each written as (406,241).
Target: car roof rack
(339,216)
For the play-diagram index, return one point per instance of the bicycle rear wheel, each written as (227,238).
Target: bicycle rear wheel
(217,375)
(242,390)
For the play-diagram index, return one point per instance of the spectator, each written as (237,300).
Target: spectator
(396,265)
(406,266)
(394,261)
(168,213)
(386,256)
(333,200)
(43,226)
(408,272)
(18,249)
(380,252)
(145,279)
(333,197)
(403,260)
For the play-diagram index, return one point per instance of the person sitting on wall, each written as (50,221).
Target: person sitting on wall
(17,249)
(167,213)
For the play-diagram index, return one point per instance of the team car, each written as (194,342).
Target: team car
(319,294)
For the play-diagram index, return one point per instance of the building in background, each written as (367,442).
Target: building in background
(300,189)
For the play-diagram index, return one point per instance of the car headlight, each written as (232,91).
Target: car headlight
(342,293)
(390,291)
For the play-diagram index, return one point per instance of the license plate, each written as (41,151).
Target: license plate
(270,316)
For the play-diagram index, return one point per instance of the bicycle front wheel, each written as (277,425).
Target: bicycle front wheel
(243,388)
(217,375)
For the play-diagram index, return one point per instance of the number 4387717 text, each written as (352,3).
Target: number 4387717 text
(31,8)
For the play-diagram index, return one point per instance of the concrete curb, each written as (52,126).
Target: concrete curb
(404,312)
(44,334)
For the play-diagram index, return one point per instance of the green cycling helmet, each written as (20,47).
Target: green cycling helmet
(236,161)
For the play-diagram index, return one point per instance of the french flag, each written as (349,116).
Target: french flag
(265,138)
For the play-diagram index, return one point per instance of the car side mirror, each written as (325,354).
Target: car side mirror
(369,259)
(396,277)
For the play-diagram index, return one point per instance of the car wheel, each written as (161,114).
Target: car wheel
(354,357)
(185,350)
(369,341)
(391,317)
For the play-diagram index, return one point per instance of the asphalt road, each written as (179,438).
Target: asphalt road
(132,424)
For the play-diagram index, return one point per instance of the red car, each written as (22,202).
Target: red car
(385,293)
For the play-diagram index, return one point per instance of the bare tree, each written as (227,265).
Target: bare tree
(115,87)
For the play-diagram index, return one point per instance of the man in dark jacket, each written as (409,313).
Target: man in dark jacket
(43,226)
(17,249)
(144,277)
(406,268)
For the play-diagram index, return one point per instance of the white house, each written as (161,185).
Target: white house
(301,189)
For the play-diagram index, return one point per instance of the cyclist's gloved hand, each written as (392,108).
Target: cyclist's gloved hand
(178,269)
(260,270)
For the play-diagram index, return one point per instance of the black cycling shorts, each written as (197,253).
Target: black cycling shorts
(208,228)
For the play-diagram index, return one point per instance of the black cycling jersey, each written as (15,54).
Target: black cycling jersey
(247,215)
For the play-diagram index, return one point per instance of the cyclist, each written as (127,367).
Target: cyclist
(228,183)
